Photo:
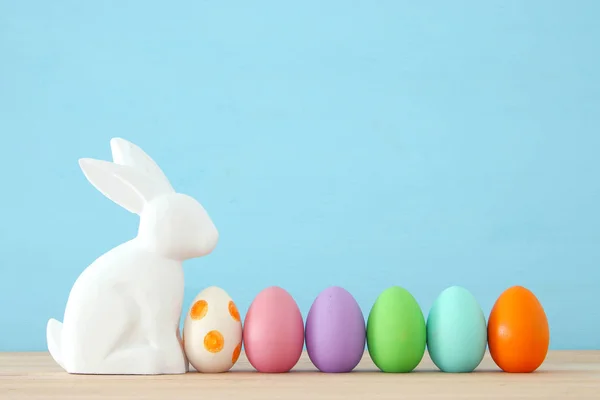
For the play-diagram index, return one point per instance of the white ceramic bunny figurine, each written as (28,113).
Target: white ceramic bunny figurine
(123,312)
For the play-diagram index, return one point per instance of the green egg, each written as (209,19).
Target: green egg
(396,334)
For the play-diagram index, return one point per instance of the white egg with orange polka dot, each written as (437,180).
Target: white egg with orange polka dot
(212,331)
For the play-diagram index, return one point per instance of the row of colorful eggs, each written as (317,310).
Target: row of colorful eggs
(396,333)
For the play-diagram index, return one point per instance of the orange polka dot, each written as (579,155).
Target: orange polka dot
(236,353)
(234,311)
(214,341)
(199,309)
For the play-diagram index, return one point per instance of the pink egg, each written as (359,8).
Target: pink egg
(273,331)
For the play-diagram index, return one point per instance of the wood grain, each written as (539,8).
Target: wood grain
(565,374)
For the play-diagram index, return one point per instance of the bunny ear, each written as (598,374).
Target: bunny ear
(122,184)
(127,153)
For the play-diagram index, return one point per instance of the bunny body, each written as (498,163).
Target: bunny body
(123,312)
(117,320)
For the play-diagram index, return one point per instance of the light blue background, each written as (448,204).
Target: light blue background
(360,144)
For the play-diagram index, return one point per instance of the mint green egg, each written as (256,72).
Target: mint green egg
(456,331)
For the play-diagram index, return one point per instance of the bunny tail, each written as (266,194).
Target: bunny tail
(53,336)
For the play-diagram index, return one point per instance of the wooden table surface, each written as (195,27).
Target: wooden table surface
(564,374)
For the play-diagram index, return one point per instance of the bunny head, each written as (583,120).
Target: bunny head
(173,225)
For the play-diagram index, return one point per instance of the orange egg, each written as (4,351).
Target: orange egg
(518,331)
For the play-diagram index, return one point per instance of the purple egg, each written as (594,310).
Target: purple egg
(335,331)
